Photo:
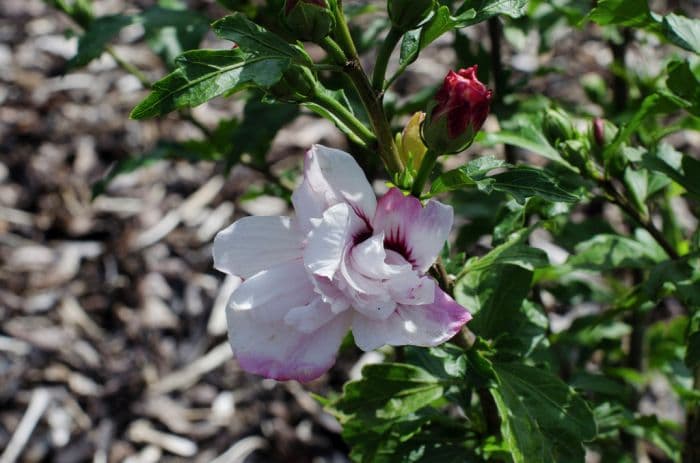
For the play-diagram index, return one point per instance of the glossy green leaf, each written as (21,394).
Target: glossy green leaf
(608,252)
(494,296)
(387,391)
(631,13)
(170,32)
(255,39)
(681,168)
(514,252)
(523,182)
(486,9)
(683,82)
(682,31)
(205,74)
(542,419)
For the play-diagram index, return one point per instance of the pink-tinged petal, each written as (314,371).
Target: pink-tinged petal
(331,294)
(275,350)
(332,176)
(252,244)
(412,289)
(416,232)
(268,295)
(308,318)
(328,240)
(416,325)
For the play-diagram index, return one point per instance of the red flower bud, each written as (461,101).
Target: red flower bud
(599,131)
(460,109)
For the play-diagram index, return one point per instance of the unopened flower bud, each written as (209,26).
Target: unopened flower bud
(409,143)
(600,135)
(557,126)
(308,19)
(297,84)
(408,14)
(460,109)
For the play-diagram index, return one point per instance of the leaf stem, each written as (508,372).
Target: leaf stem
(342,32)
(349,119)
(385,51)
(128,67)
(426,167)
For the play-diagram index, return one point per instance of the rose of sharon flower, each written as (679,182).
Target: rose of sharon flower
(346,261)
(460,108)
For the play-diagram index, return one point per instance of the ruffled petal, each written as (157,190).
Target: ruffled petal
(252,244)
(276,350)
(329,239)
(332,176)
(269,294)
(416,232)
(416,325)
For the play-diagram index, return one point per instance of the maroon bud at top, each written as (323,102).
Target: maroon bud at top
(290,4)
(460,109)
(599,131)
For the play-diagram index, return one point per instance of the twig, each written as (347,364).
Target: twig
(41,398)
(128,67)
(385,51)
(644,222)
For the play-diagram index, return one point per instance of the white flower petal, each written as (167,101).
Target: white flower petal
(269,294)
(332,176)
(275,350)
(416,232)
(417,325)
(327,242)
(252,244)
(309,317)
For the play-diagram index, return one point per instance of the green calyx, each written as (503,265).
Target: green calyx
(311,21)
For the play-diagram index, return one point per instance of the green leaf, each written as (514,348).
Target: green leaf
(608,252)
(98,35)
(254,135)
(494,297)
(170,32)
(387,391)
(513,252)
(681,168)
(683,32)
(441,22)
(542,419)
(523,131)
(205,74)
(79,10)
(523,182)
(467,175)
(256,40)
(683,82)
(631,13)
(692,353)
(486,9)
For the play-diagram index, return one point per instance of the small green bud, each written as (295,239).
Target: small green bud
(575,152)
(297,84)
(308,19)
(557,126)
(408,14)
